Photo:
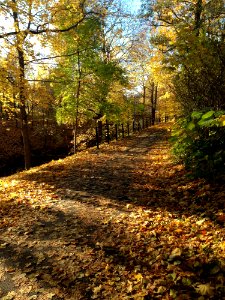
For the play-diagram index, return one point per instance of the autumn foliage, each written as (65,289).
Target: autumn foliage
(122,222)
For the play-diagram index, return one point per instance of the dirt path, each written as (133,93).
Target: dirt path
(122,222)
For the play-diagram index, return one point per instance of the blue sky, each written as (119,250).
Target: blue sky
(134,5)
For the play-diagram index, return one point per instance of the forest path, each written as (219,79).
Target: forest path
(122,222)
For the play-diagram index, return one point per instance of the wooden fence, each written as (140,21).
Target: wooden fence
(106,132)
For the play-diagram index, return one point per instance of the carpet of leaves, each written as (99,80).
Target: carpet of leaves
(122,222)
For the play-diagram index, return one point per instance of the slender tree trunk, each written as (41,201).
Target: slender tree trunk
(75,130)
(26,138)
(155,100)
(144,94)
(198,16)
(154,96)
(152,103)
(144,102)
(0,110)
(74,137)
(15,110)
(20,38)
(77,101)
(23,113)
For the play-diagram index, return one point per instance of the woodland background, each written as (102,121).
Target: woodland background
(124,221)
(67,66)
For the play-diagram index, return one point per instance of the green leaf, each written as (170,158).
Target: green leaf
(208,115)
(174,276)
(215,270)
(177,262)
(219,113)
(186,281)
(196,115)
(206,122)
(191,126)
(173,293)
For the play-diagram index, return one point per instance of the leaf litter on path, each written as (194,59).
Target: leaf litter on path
(122,222)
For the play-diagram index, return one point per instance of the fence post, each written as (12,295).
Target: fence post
(133,126)
(128,129)
(116,131)
(97,137)
(100,131)
(107,132)
(122,131)
(139,126)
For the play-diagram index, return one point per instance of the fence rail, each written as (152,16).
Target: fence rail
(106,132)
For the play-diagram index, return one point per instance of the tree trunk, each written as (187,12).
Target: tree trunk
(77,100)
(198,16)
(154,96)
(152,103)
(23,113)
(144,94)
(20,38)
(153,116)
(26,139)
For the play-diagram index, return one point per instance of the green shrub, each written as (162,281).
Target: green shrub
(199,142)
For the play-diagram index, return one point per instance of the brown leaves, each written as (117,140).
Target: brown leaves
(131,228)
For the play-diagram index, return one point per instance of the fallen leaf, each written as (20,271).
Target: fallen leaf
(177,252)
(205,289)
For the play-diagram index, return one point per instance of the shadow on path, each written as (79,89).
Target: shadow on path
(106,224)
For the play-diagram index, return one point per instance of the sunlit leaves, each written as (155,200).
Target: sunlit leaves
(205,289)
(67,220)
(189,35)
(197,142)
(99,76)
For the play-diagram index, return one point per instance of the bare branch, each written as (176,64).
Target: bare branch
(48,81)
(46,30)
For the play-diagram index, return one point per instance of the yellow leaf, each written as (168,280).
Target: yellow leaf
(13,195)
(40,257)
(222,120)
(175,253)
(9,296)
(97,289)
(130,287)
(222,245)
(50,295)
(161,289)
(138,277)
(200,222)
(204,289)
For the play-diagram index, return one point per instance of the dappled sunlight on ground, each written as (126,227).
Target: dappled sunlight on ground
(122,222)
